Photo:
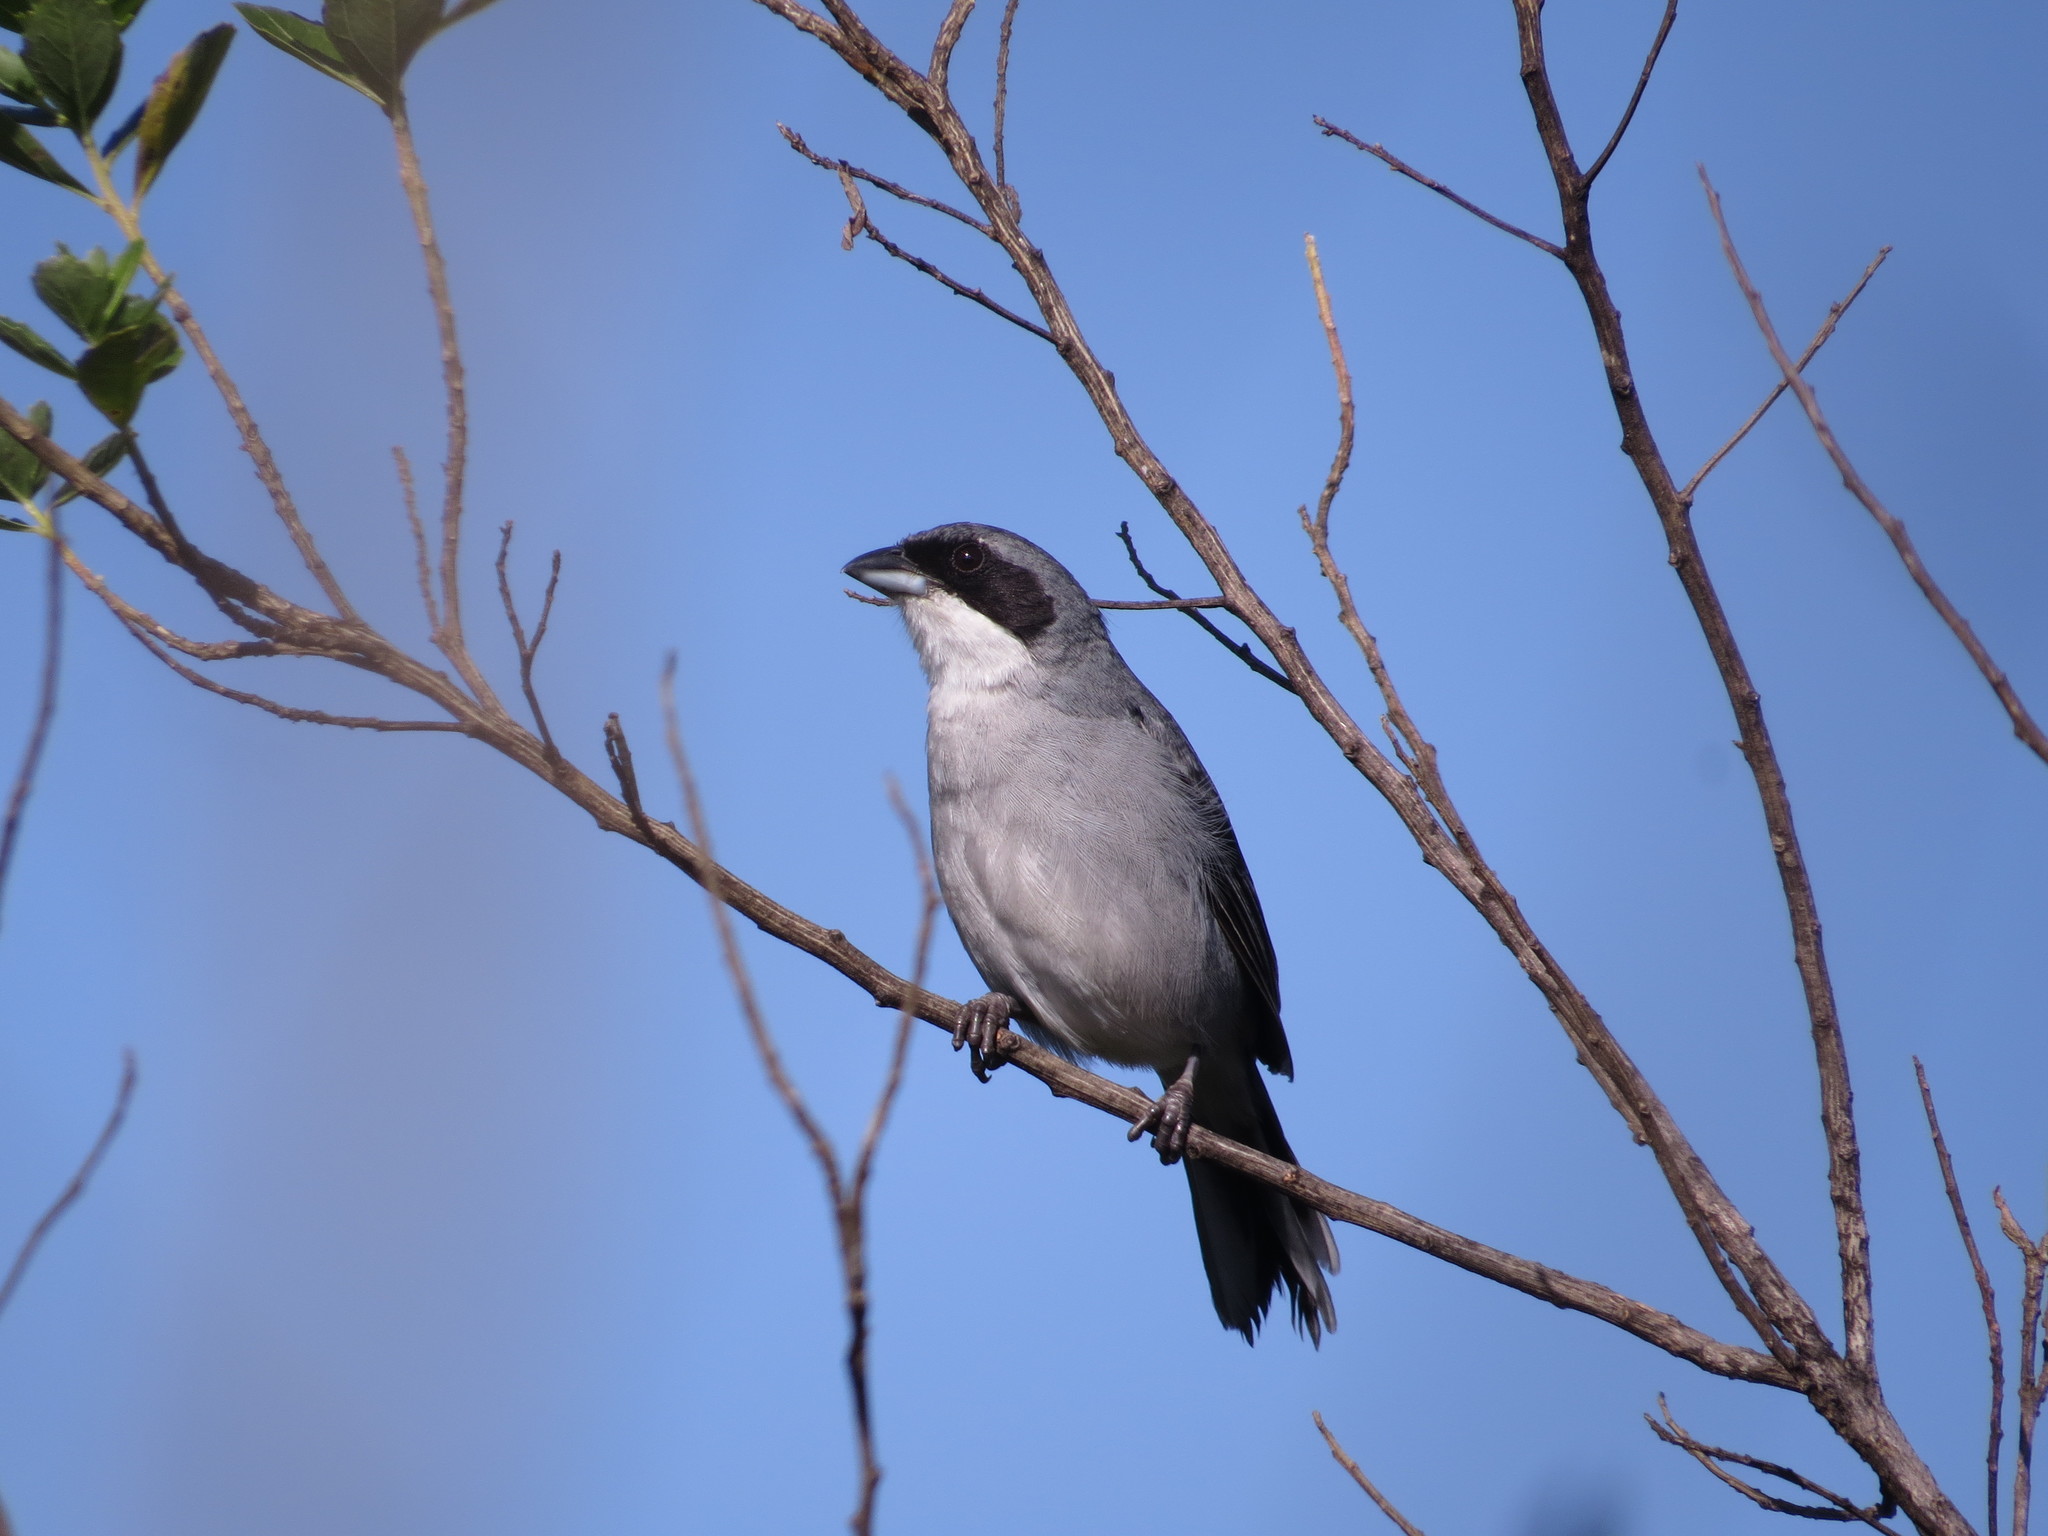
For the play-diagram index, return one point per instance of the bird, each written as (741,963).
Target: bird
(1092,873)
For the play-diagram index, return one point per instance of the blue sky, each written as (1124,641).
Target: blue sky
(453,1200)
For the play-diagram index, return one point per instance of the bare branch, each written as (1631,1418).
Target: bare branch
(954,23)
(527,651)
(422,563)
(2033,1356)
(1788,1314)
(455,389)
(1710,1456)
(253,442)
(1382,153)
(1357,1476)
(1190,607)
(1003,106)
(26,1254)
(2023,724)
(1417,755)
(1820,339)
(1123,606)
(1985,1296)
(46,705)
(1636,97)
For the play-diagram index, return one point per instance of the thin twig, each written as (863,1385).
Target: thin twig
(965,292)
(1414,750)
(1636,97)
(288,711)
(1344,1460)
(880,183)
(46,704)
(136,618)
(1192,607)
(2033,1348)
(455,390)
(846,1190)
(253,441)
(1710,1456)
(1381,153)
(124,215)
(422,562)
(2023,724)
(1003,107)
(151,489)
(1122,605)
(527,651)
(1985,1296)
(26,1254)
(1820,339)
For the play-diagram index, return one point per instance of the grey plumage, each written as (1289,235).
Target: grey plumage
(1094,878)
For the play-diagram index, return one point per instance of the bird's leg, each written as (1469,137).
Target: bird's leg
(977,1026)
(1171,1116)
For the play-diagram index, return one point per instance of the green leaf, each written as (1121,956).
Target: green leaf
(465,10)
(378,38)
(24,151)
(100,458)
(114,374)
(119,276)
(125,11)
(16,83)
(307,41)
(22,475)
(175,100)
(31,345)
(73,48)
(78,290)
(12,12)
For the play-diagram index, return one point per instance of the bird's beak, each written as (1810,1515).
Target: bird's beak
(888,571)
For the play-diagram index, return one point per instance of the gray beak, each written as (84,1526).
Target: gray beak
(888,571)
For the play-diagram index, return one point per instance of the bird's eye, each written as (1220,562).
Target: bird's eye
(968,559)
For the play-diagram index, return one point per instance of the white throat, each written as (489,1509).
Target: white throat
(966,655)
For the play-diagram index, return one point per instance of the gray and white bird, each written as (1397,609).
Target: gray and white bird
(1097,885)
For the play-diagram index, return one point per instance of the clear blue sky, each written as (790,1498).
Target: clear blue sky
(453,1201)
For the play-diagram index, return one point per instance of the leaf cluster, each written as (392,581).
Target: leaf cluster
(129,345)
(66,72)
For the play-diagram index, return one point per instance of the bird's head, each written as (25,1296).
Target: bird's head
(984,597)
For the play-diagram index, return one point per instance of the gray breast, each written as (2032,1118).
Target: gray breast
(1071,860)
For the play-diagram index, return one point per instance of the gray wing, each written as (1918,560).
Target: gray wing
(1233,900)
(1235,904)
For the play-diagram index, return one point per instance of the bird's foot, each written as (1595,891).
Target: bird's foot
(1171,1117)
(977,1028)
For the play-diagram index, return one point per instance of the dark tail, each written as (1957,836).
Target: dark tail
(1255,1238)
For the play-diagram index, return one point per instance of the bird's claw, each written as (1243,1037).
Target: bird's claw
(1170,1118)
(978,1027)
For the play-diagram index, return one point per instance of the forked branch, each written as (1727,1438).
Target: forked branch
(1837,1508)
(2024,725)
